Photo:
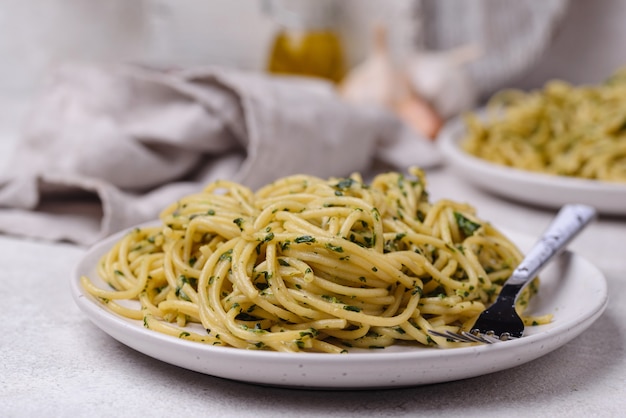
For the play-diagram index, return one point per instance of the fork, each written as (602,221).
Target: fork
(500,322)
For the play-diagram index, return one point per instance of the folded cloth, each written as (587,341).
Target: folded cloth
(107,148)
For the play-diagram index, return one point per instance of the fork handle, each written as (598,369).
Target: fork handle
(570,220)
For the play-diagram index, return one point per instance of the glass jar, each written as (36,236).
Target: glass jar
(306,42)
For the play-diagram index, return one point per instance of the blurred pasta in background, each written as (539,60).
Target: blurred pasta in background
(577,131)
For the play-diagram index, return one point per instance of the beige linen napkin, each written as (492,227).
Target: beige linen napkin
(109,147)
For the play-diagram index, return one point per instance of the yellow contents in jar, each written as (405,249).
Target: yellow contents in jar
(316,53)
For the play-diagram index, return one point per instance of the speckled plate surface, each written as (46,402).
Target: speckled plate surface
(527,186)
(572,289)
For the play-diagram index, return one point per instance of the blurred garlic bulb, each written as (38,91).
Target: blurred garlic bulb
(441,78)
(374,80)
(378,81)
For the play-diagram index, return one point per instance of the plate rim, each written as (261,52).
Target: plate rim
(116,327)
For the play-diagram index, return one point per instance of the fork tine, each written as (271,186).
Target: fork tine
(439,334)
(446,334)
(479,338)
(471,337)
(453,336)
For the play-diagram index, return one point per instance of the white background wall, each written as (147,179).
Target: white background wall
(38,34)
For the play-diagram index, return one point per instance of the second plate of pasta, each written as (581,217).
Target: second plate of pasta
(526,186)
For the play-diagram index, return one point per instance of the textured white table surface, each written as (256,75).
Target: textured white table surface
(54,362)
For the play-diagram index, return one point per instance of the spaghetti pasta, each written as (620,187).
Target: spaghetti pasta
(306,264)
(575,131)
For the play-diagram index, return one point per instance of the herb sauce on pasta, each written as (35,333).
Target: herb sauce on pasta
(306,264)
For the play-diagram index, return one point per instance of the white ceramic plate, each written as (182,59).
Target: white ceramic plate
(572,289)
(527,186)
